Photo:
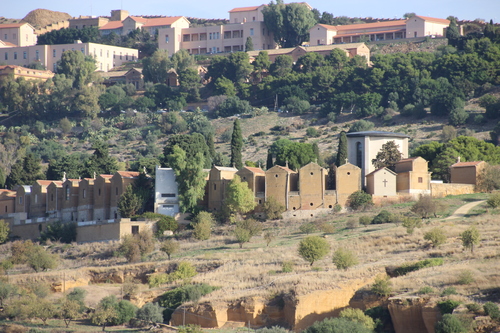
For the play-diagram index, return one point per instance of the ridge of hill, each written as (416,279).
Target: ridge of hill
(44,17)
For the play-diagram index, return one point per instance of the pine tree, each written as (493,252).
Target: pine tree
(129,203)
(269,162)
(342,149)
(388,155)
(249,44)
(100,162)
(236,146)
(24,172)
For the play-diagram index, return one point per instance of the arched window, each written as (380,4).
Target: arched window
(359,154)
(67,192)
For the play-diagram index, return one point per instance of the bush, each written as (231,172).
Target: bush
(337,325)
(494,200)
(474,307)
(365,220)
(343,258)
(287,267)
(436,236)
(313,248)
(170,247)
(312,132)
(273,209)
(450,324)
(41,260)
(383,217)
(202,229)
(381,316)
(172,299)
(425,290)
(307,228)
(361,126)
(407,268)
(466,277)
(491,309)
(184,271)
(151,313)
(359,200)
(449,291)
(382,286)
(410,223)
(62,232)
(448,306)
(274,329)
(470,238)
(358,316)
(427,206)
(165,223)
(133,247)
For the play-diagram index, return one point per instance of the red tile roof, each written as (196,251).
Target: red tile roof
(8,43)
(44,182)
(12,25)
(154,22)
(112,25)
(244,9)
(128,174)
(433,19)
(407,159)
(255,170)
(106,176)
(466,164)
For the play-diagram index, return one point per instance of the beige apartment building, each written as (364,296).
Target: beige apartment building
(17,34)
(416,26)
(106,56)
(244,22)
(26,73)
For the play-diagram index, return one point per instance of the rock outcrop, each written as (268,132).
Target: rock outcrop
(412,315)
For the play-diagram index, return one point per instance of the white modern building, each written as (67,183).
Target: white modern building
(166,192)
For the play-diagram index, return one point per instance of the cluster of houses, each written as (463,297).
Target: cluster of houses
(92,203)
(18,40)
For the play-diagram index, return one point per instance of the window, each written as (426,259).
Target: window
(54,53)
(15,55)
(215,187)
(251,31)
(121,56)
(5,37)
(84,192)
(253,18)
(168,206)
(420,180)
(25,55)
(6,56)
(168,195)
(83,50)
(116,190)
(135,229)
(20,200)
(166,38)
(6,209)
(99,192)
(36,198)
(107,53)
(52,197)
(37,55)
(359,155)
(67,192)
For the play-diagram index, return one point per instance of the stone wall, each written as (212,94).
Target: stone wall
(440,190)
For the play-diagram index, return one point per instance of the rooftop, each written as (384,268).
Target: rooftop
(378,134)
(466,164)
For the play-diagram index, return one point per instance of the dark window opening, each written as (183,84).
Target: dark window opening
(312,173)
(168,195)
(359,155)
(330,206)
(311,204)
(215,187)
(135,229)
(420,180)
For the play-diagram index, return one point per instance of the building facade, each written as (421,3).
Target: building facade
(166,192)
(18,34)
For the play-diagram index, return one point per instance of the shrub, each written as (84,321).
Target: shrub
(383,217)
(361,126)
(62,232)
(151,313)
(190,328)
(407,268)
(470,238)
(450,324)
(494,200)
(307,228)
(410,223)
(165,223)
(466,277)
(359,200)
(313,248)
(358,316)
(382,286)
(41,260)
(274,329)
(287,267)
(491,309)
(273,209)
(436,236)
(365,220)
(202,229)
(449,291)
(427,206)
(170,247)
(184,271)
(312,132)
(448,306)
(343,258)
(352,224)
(172,299)
(337,325)
(133,247)
(381,317)
(425,290)
(474,307)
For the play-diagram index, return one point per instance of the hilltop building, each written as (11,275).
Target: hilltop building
(466,172)
(17,34)
(26,73)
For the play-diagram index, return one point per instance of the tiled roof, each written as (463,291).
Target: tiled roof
(12,25)
(128,174)
(154,22)
(380,169)
(244,9)
(7,43)
(44,182)
(255,170)
(106,176)
(364,25)
(466,164)
(407,159)
(378,134)
(112,25)
(221,168)
(433,19)
(370,32)
(286,169)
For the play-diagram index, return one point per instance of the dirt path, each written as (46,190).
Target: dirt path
(461,211)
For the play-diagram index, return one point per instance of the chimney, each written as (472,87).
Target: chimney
(458,159)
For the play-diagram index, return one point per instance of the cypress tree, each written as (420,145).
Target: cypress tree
(316,151)
(236,146)
(269,163)
(342,149)
(249,44)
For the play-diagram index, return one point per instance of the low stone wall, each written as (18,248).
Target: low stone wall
(306,214)
(440,190)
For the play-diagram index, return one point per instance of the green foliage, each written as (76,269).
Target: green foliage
(365,220)
(239,197)
(245,230)
(381,317)
(357,315)
(308,228)
(470,238)
(494,200)
(450,324)
(383,217)
(313,248)
(287,266)
(337,325)
(466,277)
(77,295)
(296,105)
(342,149)
(191,328)
(436,236)
(491,309)
(361,126)
(388,156)
(312,132)
(4,231)
(448,306)
(7,291)
(449,291)
(100,162)
(170,247)
(204,222)
(344,258)
(410,223)
(40,259)
(474,307)
(426,263)
(24,172)
(133,247)
(172,299)
(274,329)
(427,206)
(236,145)
(296,154)
(62,232)
(69,310)
(382,286)
(165,223)
(129,203)
(425,290)
(273,209)
(359,200)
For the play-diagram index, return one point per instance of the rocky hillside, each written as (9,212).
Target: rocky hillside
(43,17)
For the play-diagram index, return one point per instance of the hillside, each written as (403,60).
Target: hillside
(42,17)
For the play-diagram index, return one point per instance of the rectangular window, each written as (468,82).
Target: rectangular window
(166,38)
(251,31)
(168,195)
(83,50)
(168,206)
(20,200)
(54,53)
(15,55)
(84,192)
(5,37)
(25,55)
(135,229)
(36,198)
(37,55)
(6,56)
(420,180)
